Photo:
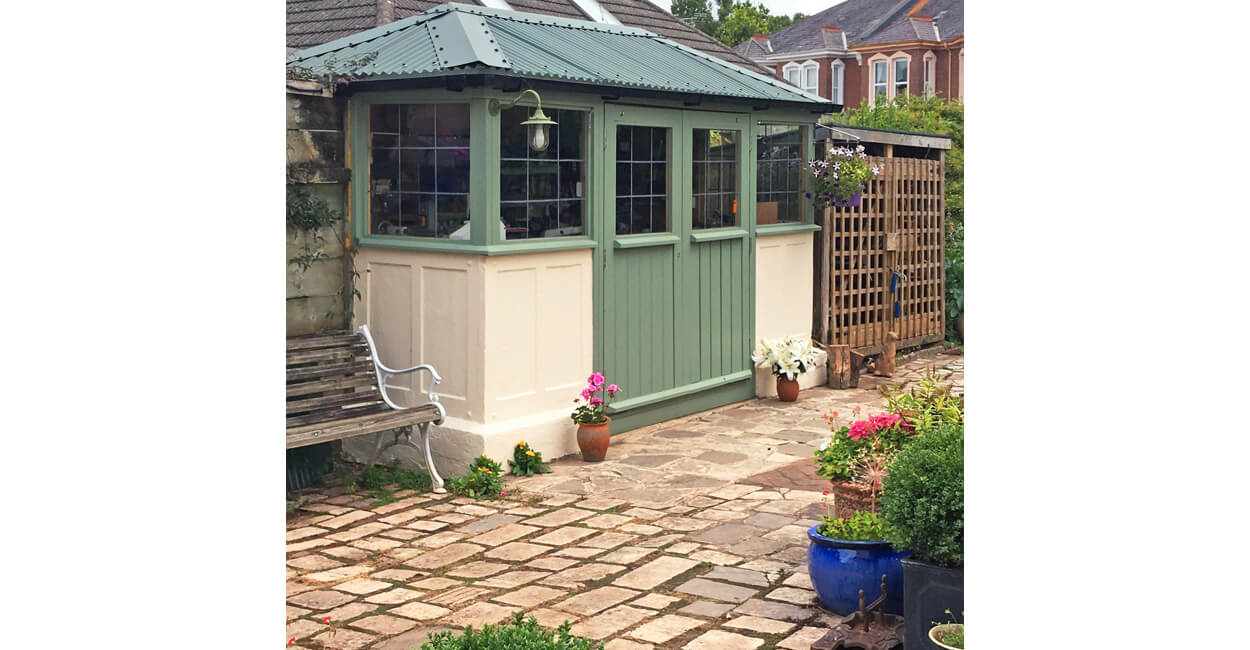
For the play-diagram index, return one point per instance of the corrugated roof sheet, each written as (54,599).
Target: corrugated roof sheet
(456,38)
(313,22)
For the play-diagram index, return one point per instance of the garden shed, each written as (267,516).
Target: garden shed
(532,198)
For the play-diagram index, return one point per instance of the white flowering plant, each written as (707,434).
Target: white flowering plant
(787,357)
(841,178)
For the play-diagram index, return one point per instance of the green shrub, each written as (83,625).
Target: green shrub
(375,477)
(526,461)
(923,497)
(484,480)
(518,635)
(863,526)
(928,405)
(408,479)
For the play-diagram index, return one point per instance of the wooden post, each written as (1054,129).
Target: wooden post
(886,363)
(843,373)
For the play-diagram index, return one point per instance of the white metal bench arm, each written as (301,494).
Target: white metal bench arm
(384,373)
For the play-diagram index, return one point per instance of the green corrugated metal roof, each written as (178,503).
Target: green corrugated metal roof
(458,38)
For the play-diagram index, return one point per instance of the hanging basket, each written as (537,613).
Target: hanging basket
(850,202)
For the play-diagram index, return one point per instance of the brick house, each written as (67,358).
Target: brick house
(865,49)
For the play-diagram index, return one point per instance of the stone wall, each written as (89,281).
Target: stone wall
(317,298)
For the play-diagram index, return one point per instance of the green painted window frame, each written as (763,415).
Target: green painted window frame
(484,155)
(808,221)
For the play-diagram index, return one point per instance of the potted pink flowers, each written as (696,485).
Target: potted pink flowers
(591,417)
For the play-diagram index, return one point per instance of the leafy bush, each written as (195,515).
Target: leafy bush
(484,480)
(413,480)
(923,497)
(954,279)
(518,635)
(863,526)
(928,405)
(527,462)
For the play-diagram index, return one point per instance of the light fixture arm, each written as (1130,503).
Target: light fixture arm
(496,106)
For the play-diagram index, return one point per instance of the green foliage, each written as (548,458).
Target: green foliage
(382,496)
(954,279)
(375,477)
(484,480)
(928,405)
(306,211)
(943,117)
(526,461)
(408,479)
(349,480)
(863,526)
(923,498)
(520,634)
(735,20)
(952,636)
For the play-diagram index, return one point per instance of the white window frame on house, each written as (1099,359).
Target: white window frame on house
(810,66)
(798,73)
(875,81)
(837,81)
(894,82)
(930,68)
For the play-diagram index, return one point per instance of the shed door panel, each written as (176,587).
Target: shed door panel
(675,293)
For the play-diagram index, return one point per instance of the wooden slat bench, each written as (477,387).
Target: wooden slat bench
(336,389)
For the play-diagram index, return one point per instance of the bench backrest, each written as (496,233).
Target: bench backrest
(330,376)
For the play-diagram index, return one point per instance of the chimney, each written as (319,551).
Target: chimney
(385,12)
(833,36)
(762,41)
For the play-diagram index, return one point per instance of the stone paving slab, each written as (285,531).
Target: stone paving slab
(701,553)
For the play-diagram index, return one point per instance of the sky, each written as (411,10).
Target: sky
(787,7)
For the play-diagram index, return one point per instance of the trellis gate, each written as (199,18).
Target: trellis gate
(880,265)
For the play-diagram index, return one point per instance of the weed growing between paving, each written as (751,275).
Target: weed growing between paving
(520,634)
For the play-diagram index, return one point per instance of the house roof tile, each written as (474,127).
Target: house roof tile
(868,22)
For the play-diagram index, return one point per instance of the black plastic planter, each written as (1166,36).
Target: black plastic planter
(928,591)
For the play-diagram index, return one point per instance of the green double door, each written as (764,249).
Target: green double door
(674,288)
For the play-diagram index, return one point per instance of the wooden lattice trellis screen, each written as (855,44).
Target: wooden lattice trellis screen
(898,226)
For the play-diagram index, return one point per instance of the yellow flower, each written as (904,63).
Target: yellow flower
(486,469)
(470,479)
(529,453)
(521,444)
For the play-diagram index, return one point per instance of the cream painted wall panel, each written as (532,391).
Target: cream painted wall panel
(783,300)
(427,308)
(783,285)
(571,329)
(444,323)
(390,312)
(539,341)
(514,346)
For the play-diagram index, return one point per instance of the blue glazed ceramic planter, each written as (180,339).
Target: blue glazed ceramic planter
(840,568)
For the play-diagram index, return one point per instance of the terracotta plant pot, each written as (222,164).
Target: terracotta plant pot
(848,498)
(787,389)
(942,629)
(593,440)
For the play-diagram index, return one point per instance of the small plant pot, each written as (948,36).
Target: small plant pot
(839,568)
(849,498)
(593,440)
(937,631)
(787,389)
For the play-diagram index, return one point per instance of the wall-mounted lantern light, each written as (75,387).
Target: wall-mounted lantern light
(538,124)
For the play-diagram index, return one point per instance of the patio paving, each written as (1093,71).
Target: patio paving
(689,536)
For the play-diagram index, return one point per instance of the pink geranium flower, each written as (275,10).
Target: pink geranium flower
(586,393)
(596,400)
(612,388)
(596,379)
